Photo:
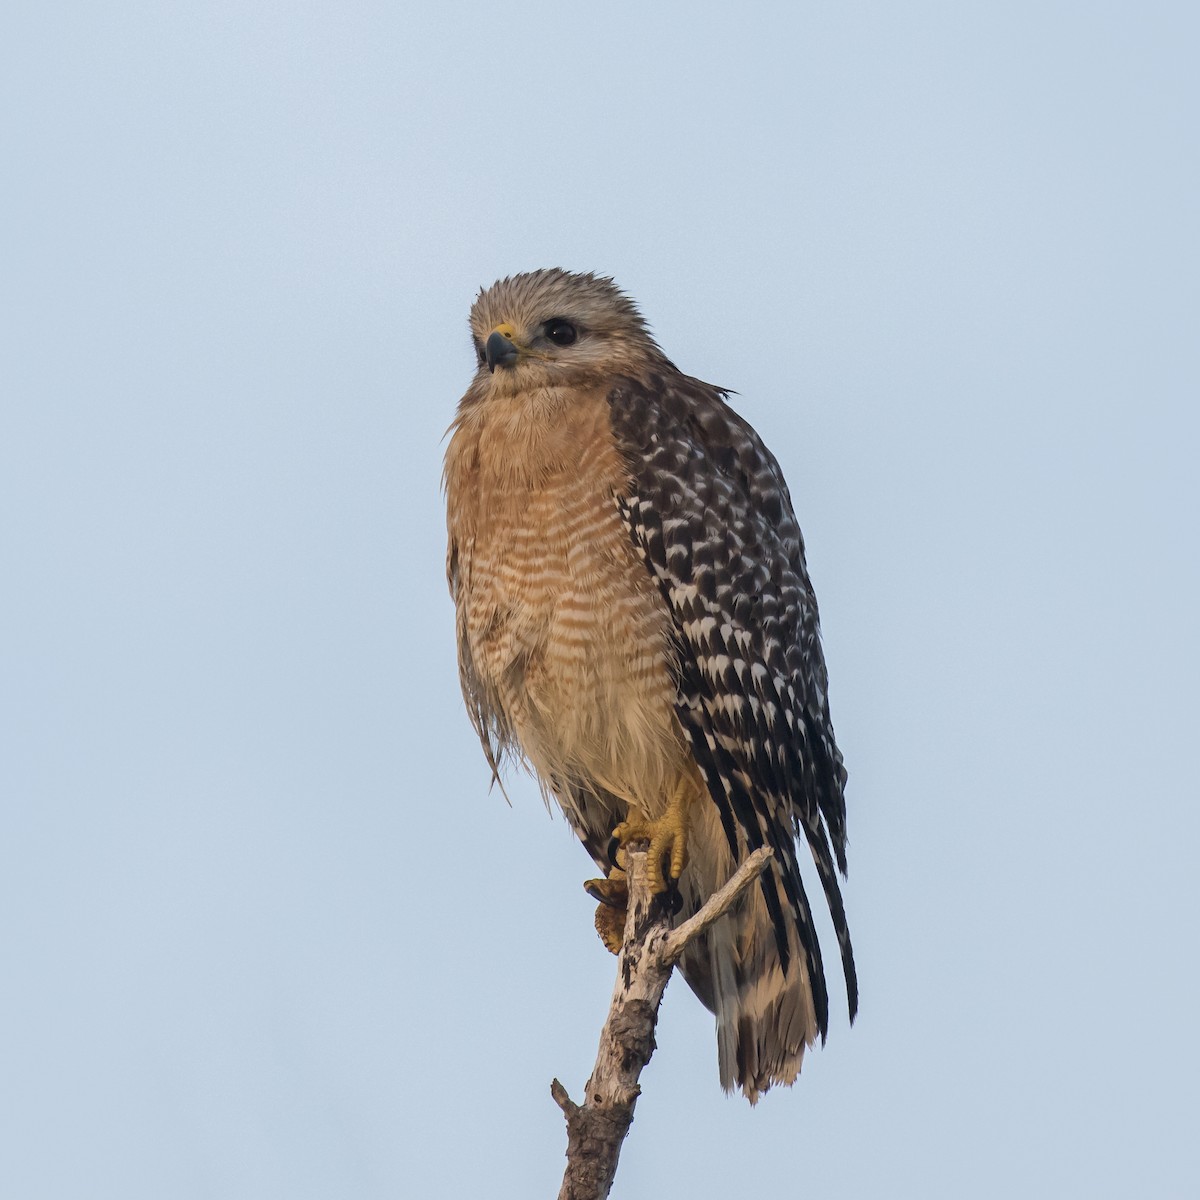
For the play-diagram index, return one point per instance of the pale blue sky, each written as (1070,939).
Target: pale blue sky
(264,931)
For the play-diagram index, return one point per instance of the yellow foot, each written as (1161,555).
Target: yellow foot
(613,896)
(667,836)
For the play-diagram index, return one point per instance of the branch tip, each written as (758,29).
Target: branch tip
(560,1097)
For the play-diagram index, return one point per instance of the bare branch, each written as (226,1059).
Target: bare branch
(597,1127)
(717,905)
(559,1095)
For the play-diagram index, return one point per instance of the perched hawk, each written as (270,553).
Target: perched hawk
(635,621)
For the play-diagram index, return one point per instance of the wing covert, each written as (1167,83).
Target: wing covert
(709,513)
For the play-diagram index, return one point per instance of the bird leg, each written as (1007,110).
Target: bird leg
(665,860)
(612,895)
(667,836)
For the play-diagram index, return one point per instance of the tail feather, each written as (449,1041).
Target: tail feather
(766,1015)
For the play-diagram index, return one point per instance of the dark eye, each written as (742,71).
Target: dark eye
(480,354)
(560,332)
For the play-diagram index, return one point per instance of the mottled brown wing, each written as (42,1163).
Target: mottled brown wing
(710,515)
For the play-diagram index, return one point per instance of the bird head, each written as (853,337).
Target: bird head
(552,328)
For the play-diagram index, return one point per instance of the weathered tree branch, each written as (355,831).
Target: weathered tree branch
(597,1127)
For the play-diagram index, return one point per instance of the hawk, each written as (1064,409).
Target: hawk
(636,623)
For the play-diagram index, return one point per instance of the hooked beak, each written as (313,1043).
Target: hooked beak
(499,349)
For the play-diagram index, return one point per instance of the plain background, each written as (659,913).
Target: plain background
(265,930)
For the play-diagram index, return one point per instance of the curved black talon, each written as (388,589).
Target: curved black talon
(611,850)
(672,898)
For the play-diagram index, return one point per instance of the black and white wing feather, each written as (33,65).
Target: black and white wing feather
(709,513)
